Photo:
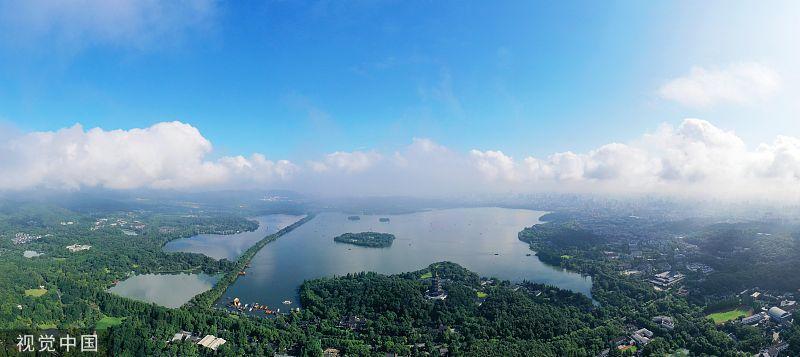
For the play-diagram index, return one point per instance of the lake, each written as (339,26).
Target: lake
(173,290)
(231,246)
(170,290)
(470,237)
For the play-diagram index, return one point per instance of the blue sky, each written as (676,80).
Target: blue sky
(513,95)
(296,79)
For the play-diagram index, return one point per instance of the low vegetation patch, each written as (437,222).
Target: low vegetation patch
(725,316)
(35,292)
(108,321)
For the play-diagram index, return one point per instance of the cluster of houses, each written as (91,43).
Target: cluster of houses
(23,238)
(119,223)
(353,322)
(209,341)
(639,337)
(776,308)
(699,268)
(775,316)
(774,351)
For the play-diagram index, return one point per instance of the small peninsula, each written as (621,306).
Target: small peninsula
(367,239)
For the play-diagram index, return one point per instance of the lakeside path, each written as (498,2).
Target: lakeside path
(208,298)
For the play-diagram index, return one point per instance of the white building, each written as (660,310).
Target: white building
(78,247)
(751,320)
(778,314)
(211,342)
(642,336)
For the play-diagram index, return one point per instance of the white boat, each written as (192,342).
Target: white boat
(287,302)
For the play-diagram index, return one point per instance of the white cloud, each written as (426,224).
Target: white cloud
(348,162)
(124,23)
(694,158)
(494,164)
(165,155)
(740,83)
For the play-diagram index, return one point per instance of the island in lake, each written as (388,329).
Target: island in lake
(367,239)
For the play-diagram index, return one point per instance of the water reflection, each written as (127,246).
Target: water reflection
(170,290)
(231,246)
(483,240)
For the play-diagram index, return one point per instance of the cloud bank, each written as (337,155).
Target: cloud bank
(740,83)
(695,158)
(168,155)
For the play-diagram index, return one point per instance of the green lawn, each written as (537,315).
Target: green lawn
(722,317)
(481,294)
(35,292)
(427,275)
(108,321)
(49,326)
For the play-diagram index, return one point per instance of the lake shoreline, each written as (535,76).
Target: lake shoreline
(210,297)
(231,246)
(483,240)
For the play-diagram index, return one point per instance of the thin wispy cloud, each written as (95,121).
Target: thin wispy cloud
(442,92)
(348,162)
(739,83)
(75,25)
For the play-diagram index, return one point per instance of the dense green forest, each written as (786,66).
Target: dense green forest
(746,256)
(474,317)
(113,255)
(366,239)
(373,314)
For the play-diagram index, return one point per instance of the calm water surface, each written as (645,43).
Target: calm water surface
(174,290)
(470,237)
(231,246)
(170,290)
